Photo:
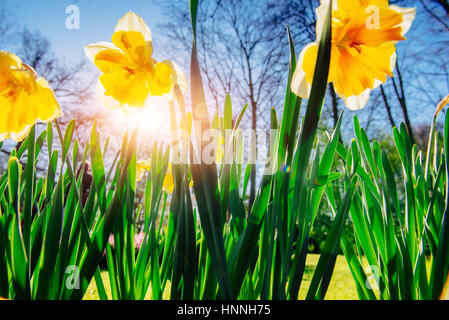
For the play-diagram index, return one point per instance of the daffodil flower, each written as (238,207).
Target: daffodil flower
(168,184)
(363,53)
(130,74)
(142,166)
(24,98)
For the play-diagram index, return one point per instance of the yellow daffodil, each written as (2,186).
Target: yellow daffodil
(168,184)
(363,53)
(24,98)
(130,73)
(219,153)
(142,166)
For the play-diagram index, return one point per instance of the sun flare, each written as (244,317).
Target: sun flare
(152,121)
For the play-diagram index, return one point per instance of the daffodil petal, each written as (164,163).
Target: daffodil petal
(161,83)
(133,36)
(126,88)
(300,85)
(93,49)
(9,60)
(393,59)
(178,76)
(133,43)
(321,13)
(408,15)
(17,136)
(113,60)
(355,103)
(133,22)
(107,101)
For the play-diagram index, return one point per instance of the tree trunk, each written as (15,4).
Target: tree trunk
(387,107)
(400,93)
(252,192)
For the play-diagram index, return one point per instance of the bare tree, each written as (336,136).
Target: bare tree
(438,10)
(399,90)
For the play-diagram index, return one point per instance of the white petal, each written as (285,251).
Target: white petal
(377,84)
(393,60)
(107,101)
(300,86)
(357,102)
(179,77)
(93,49)
(408,15)
(19,136)
(132,22)
(321,13)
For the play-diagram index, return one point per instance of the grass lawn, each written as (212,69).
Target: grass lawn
(341,287)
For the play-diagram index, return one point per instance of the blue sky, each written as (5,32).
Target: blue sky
(97,21)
